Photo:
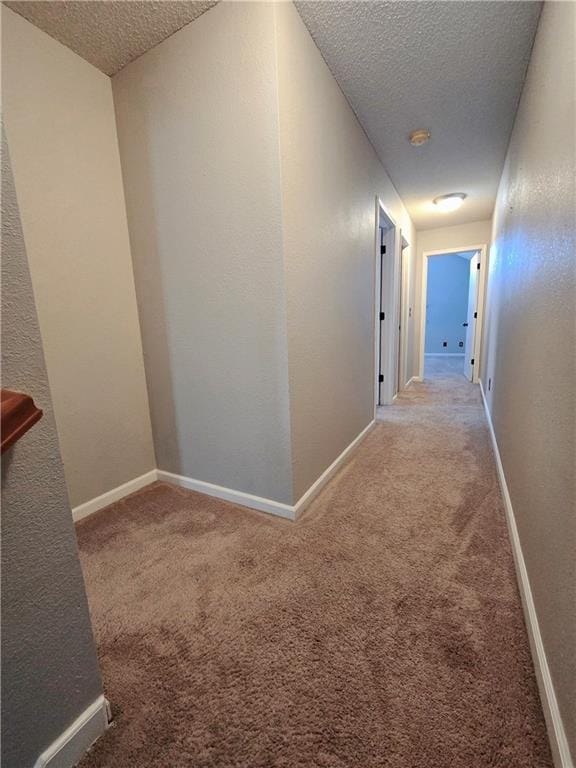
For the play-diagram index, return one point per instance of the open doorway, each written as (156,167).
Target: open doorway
(451,312)
(388,339)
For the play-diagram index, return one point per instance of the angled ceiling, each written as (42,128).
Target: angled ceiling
(455,68)
(110,34)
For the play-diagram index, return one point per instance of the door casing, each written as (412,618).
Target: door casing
(482,274)
(387,290)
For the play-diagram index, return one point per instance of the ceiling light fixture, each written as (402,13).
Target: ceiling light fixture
(451,202)
(419,137)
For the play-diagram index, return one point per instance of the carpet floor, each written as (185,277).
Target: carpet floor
(382,629)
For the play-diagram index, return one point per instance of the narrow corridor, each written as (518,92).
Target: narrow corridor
(384,627)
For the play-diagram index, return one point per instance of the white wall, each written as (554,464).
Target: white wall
(59,118)
(458,236)
(530,340)
(198,132)
(330,178)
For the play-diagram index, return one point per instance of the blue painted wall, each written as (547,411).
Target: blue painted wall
(446,303)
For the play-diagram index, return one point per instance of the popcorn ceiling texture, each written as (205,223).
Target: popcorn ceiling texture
(455,68)
(111,34)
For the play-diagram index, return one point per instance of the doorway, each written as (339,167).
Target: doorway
(453,287)
(388,287)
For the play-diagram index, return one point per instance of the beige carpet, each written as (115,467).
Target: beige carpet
(383,629)
(442,364)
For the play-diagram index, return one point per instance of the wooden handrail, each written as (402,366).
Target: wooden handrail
(18,414)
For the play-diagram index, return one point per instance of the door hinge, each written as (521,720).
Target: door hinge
(381,378)
(382,249)
(472,361)
(475,315)
(382,315)
(478,265)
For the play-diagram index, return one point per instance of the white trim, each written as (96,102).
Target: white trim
(394,348)
(329,473)
(77,739)
(89,507)
(414,378)
(229,494)
(376,307)
(288,511)
(404,270)
(480,307)
(555,726)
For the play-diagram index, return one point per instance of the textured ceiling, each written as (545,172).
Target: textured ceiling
(456,68)
(110,34)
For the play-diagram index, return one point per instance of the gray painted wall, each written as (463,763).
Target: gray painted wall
(198,133)
(530,346)
(330,178)
(49,668)
(252,224)
(59,115)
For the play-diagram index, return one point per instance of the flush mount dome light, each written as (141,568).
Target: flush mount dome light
(451,202)
(419,137)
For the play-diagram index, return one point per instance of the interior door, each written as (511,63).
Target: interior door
(469,361)
(382,356)
(398,385)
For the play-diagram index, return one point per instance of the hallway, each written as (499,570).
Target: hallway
(383,628)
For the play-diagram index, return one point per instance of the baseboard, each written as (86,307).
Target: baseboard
(412,380)
(555,726)
(288,511)
(326,476)
(89,507)
(259,503)
(75,741)
(229,494)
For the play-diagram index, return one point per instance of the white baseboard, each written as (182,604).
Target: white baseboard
(325,477)
(413,379)
(288,511)
(89,507)
(555,726)
(75,741)
(229,494)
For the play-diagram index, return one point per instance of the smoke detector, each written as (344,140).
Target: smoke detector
(419,137)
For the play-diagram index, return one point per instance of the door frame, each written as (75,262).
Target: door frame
(389,329)
(483,248)
(404,311)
